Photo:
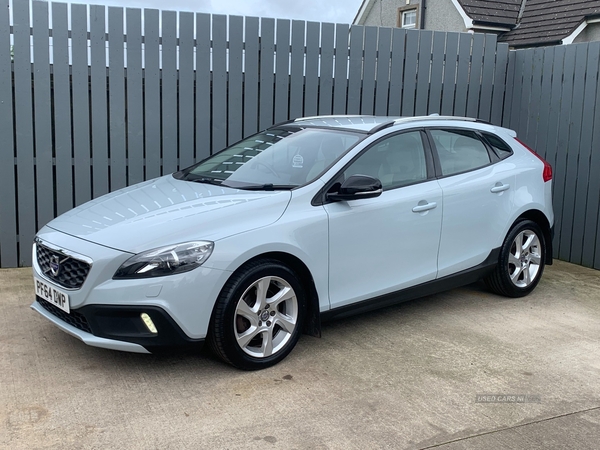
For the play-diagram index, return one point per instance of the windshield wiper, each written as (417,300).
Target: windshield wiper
(206,180)
(267,187)
(249,187)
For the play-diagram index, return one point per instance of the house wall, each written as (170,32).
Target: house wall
(384,13)
(441,15)
(589,34)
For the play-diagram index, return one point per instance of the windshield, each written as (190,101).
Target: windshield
(278,158)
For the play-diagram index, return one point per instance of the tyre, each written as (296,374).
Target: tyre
(521,262)
(258,316)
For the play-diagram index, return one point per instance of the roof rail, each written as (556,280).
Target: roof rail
(409,119)
(383,126)
(434,117)
(330,116)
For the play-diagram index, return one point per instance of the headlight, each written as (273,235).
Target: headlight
(168,260)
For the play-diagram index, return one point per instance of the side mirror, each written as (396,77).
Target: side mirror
(357,187)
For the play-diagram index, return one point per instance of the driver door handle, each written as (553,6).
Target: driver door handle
(424,206)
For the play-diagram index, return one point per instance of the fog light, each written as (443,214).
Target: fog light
(148,322)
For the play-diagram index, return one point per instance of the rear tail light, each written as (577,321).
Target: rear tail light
(547,173)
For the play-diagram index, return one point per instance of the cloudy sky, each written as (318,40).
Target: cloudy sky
(337,11)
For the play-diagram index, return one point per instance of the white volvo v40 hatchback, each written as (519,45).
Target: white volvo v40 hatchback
(311,219)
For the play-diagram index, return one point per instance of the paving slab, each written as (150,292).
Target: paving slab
(459,370)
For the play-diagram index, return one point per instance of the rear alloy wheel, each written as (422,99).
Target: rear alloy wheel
(258,316)
(521,261)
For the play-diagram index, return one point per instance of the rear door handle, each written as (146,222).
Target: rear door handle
(424,206)
(499,187)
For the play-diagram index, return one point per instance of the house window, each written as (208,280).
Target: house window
(409,18)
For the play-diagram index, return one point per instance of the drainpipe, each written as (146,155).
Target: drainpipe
(422,18)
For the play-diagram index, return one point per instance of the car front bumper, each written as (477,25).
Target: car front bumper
(118,327)
(87,338)
(107,313)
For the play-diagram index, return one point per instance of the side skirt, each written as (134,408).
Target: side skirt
(459,279)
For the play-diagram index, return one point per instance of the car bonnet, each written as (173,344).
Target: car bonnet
(166,211)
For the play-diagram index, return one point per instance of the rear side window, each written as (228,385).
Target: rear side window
(501,148)
(459,151)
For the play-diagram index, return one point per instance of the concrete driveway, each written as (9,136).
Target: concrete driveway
(419,375)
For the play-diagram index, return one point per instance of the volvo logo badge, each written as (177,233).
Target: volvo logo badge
(54,265)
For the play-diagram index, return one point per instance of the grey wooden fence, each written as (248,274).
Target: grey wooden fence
(85,110)
(552,102)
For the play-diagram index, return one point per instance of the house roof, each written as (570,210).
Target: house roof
(498,12)
(364,8)
(547,22)
(531,22)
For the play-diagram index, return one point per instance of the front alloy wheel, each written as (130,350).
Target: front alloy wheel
(266,317)
(258,316)
(521,262)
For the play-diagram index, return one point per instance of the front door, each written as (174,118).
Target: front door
(384,244)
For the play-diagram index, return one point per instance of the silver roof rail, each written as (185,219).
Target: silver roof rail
(434,117)
(331,116)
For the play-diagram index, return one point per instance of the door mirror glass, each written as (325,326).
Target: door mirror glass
(357,187)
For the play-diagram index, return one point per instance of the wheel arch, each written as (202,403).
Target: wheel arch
(540,218)
(312,322)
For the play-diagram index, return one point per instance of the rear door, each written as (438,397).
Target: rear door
(478,192)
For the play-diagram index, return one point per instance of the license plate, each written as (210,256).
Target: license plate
(51,294)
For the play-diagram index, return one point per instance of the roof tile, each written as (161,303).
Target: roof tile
(543,22)
(480,10)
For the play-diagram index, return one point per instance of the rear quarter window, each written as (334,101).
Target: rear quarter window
(501,148)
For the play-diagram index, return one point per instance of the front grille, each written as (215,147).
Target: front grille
(71,271)
(74,318)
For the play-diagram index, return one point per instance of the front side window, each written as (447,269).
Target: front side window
(283,157)
(396,161)
(459,151)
